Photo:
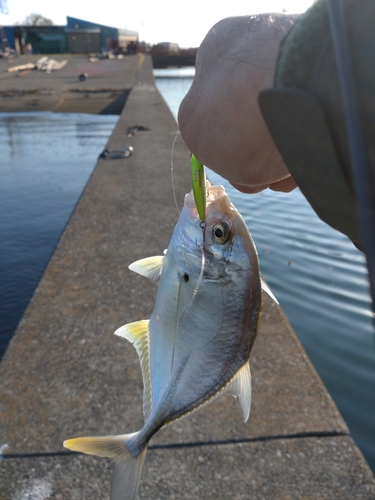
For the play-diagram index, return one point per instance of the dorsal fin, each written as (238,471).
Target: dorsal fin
(138,334)
(150,267)
(268,290)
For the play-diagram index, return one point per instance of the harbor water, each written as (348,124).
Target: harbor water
(317,274)
(46,161)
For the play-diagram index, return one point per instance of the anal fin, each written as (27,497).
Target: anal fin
(240,387)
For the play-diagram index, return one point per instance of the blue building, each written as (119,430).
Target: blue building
(78,36)
(86,30)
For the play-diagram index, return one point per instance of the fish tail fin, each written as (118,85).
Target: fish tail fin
(126,477)
(128,469)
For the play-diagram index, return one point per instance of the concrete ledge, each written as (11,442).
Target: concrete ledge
(65,374)
(267,470)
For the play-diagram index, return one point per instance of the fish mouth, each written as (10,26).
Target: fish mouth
(213,193)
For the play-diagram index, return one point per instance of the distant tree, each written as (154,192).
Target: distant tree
(37,20)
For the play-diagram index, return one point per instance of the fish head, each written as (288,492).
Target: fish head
(222,240)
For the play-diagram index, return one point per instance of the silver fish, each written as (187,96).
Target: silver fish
(196,345)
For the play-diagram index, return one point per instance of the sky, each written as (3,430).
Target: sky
(185,23)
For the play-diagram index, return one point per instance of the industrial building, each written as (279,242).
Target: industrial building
(77,37)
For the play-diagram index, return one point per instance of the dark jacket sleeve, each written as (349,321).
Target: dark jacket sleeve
(304,111)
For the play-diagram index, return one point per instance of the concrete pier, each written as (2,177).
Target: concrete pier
(65,374)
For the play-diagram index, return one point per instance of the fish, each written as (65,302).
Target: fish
(196,346)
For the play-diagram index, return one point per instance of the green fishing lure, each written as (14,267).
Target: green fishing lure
(198,178)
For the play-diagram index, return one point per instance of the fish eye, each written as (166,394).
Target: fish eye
(221,233)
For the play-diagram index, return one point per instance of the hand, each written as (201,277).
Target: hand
(220,120)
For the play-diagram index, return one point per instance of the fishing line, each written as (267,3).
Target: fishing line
(203,261)
(172,171)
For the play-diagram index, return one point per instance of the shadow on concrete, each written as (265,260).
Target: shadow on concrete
(116,106)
